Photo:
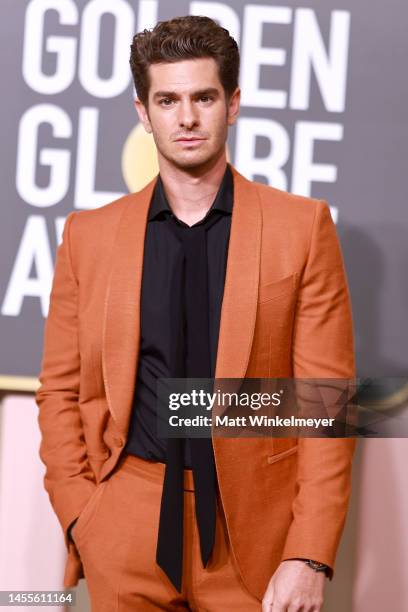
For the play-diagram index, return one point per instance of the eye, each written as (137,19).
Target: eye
(165,101)
(206,98)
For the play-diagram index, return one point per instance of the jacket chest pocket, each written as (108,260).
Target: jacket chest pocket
(271,291)
(273,328)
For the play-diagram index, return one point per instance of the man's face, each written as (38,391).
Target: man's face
(188,113)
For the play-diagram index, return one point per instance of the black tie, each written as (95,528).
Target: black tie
(197,364)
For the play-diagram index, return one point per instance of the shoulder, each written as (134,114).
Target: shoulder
(101,216)
(98,223)
(292,206)
(276,202)
(293,221)
(90,234)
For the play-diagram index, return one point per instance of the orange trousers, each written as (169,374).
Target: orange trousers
(116,535)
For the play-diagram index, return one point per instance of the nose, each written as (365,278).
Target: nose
(187,115)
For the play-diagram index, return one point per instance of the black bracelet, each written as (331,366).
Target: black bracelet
(316,565)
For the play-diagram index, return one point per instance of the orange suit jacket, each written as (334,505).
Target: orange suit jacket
(285,312)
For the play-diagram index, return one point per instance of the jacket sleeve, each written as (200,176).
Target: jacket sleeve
(69,479)
(322,348)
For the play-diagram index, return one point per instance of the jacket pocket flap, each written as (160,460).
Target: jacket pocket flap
(283,454)
(272,290)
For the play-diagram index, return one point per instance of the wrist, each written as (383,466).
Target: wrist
(317,566)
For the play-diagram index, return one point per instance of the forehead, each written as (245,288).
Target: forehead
(184,76)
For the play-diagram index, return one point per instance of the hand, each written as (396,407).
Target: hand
(294,587)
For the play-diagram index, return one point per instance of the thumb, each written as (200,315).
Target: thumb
(267,600)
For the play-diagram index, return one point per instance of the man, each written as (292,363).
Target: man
(202,273)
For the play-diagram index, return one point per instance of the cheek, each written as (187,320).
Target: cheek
(218,126)
(161,132)
(162,125)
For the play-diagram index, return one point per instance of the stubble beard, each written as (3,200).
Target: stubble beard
(195,163)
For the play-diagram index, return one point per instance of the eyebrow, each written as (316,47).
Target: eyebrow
(173,94)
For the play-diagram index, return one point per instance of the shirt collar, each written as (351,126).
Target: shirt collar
(223,200)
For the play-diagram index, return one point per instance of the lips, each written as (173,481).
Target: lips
(188,139)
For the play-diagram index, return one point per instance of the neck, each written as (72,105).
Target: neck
(191,192)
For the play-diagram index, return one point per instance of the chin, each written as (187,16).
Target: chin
(190,164)
(186,162)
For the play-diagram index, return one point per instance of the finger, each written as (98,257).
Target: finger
(296,607)
(278,607)
(268,598)
(267,606)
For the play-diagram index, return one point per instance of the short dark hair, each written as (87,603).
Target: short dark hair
(184,38)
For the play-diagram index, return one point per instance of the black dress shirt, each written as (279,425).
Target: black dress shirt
(158,358)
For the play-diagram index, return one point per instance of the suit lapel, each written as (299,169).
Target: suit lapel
(238,312)
(121,335)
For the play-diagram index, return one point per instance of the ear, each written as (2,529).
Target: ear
(143,115)
(233,106)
